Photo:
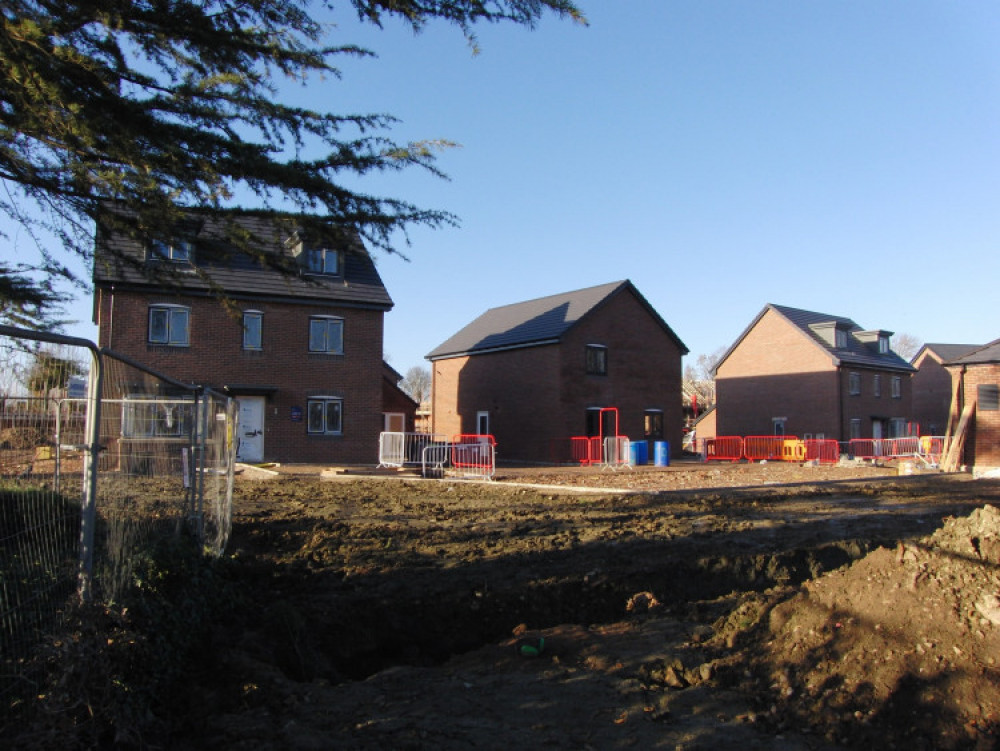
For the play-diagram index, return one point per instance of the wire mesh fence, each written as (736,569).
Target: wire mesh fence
(100,460)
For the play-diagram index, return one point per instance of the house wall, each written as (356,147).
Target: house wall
(538,397)
(776,371)
(982,442)
(215,357)
(931,395)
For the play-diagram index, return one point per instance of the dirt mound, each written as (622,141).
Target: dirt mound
(899,648)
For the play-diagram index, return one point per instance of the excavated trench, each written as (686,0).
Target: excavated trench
(354,634)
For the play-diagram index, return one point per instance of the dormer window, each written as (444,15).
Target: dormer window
(883,345)
(322,261)
(176,251)
(841,339)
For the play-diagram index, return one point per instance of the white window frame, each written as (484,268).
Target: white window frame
(854,383)
(174,251)
(258,316)
(324,403)
(319,260)
(329,324)
(177,321)
(896,384)
(883,345)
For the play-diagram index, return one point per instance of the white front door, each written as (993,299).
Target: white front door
(251,445)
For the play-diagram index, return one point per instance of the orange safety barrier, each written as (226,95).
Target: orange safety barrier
(724,448)
(931,447)
(473,451)
(586,449)
(793,450)
(765,447)
(822,450)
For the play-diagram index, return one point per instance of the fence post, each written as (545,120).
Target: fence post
(91,457)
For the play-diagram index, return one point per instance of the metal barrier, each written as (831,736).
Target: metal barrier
(616,452)
(822,450)
(586,449)
(931,448)
(468,456)
(793,450)
(404,449)
(765,447)
(89,485)
(726,448)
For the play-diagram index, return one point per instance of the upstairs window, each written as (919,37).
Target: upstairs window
(169,324)
(840,339)
(326,416)
(854,384)
(988,397)
(176,251)
(897,387)
(323,261)
(326,335)
(883,345)
(253,321)
(877,388)
(597,359)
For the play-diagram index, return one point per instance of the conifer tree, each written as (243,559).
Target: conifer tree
(153,108)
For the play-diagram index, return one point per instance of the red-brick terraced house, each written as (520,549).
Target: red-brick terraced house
(302,352)
(812,375)
(535,373)
(976,379)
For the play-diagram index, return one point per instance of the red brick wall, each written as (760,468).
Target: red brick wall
(982,442)
(216,358)
(777,371)
(538,397)
(931,395)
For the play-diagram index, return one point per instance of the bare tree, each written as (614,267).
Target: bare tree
(699,379)
(905,345)
(417,383)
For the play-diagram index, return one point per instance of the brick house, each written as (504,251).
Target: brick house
(301,352)
(932,385)
(976,380)
(795,372)
(535,373)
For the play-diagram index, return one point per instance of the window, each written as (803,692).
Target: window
(856,427)
(326,335)
(252,328)
(877,390)
(897,427)
(988,395)
(854,384)
(597,359)
(779,425)
(840,339)
(168,324)
(653,430)
(323,261)
(326,415)
(897,387)
(147,418)
(883,345)
(178,251)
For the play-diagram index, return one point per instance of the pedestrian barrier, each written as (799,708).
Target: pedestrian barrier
(616,452)
(397,450)
(931,448)
(726,448)
(469,456)
(822,450)
(793,450)
(586,449)
(765,447)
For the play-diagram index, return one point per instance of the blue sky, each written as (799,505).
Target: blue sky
(842,157)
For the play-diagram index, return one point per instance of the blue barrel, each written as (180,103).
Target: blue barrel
(641,452)
(661,454)
(633,453)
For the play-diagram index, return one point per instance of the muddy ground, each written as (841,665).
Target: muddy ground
(695,607)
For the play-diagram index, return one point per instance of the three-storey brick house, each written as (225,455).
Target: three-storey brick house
(301,351)
(813,375)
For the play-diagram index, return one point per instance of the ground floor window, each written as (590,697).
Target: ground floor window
(326,415)
(897,427)
(779,425)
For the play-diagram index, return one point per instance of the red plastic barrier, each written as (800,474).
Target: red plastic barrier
(586,449)
(822,450)
(465,453)
(765,447)
(724,448)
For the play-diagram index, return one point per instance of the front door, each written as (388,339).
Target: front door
(251,446)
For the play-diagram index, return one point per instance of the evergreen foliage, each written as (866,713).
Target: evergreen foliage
(153,108)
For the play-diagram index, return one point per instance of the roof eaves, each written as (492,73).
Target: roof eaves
(490,350)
